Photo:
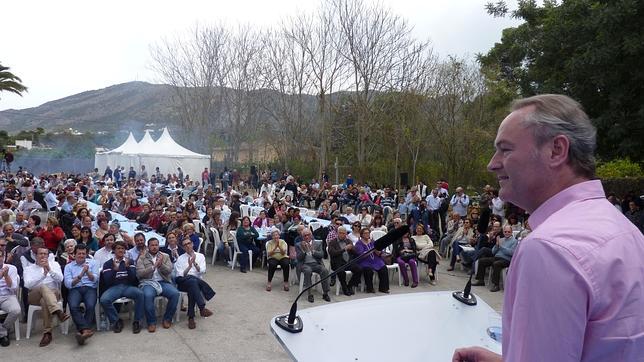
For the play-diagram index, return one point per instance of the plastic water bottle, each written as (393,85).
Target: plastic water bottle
(103,323)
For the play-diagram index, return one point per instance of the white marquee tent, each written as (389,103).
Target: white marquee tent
(164,153)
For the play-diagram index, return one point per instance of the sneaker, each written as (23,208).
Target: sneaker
(4,341)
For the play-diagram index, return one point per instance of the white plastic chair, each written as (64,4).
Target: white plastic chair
(16,326)
(123,301)
(216,241)
(314,225)
(64,327)
(244,210)
(314,279)
(238,252)
(97,312)
(377,234)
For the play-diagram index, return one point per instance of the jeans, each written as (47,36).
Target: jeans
(169,292)
(87,296)
(243,258)
(197,290)
(118,291)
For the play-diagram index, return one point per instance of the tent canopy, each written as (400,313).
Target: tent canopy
(164,153)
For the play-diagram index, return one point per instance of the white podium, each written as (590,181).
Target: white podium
(404,327)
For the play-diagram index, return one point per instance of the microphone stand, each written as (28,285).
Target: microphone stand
(292,322)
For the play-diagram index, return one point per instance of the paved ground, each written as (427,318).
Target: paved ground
(239,329)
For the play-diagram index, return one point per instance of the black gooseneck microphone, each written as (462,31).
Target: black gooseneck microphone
(293,323)
(465,296)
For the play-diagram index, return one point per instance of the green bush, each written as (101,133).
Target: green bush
(619,168)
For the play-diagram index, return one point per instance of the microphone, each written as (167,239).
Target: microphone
(465,296)
(293,323)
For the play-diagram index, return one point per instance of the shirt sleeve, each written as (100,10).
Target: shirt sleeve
(67,277)
(546,305)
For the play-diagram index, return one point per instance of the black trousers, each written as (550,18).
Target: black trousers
(272,267)
(497,265)
(383,278)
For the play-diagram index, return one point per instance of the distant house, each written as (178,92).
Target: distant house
(28,144)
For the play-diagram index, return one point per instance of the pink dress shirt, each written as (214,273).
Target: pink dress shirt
(575,289)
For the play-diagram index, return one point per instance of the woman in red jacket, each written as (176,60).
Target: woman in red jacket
(52,234)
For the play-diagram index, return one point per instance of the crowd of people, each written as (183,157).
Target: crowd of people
(59,253)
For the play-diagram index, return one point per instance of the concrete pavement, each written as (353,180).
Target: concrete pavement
(238,330)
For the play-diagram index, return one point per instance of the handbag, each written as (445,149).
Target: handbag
(387,258)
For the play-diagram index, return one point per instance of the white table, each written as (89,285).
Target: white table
(430,327)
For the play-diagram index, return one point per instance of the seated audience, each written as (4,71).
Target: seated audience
(119,280)
(43,279)
(309,257)
(340,252)
(372,263)
(189,270)
(277,255)
(246,236)
(81,280)
(8,299)
(154,271)
(503,251)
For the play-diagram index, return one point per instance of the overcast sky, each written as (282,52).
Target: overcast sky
(64,47)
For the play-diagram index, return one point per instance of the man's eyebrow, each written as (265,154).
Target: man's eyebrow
(503,143)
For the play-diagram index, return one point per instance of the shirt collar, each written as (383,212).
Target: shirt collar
(579,192)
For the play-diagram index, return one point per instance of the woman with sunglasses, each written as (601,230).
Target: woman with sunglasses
(87,239)
(354,235)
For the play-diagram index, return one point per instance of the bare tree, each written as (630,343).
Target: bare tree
(194,68)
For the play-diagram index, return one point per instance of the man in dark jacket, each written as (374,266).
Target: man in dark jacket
(119,280)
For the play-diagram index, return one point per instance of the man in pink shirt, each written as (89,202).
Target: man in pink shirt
(575,289)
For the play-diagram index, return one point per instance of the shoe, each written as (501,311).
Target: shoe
(384,291)
(311,299)
(286,288)
(242,270)
(152,328)
(430,274)
(80,339)
(495,288)
(62,316)
(326,297)
(406,284)
(432,282)
(118,326)
(166,324)
(451,268)
(478,283)
(46,339)
(184,308)
(371,291)
(87,333)
(414,285)
(136,327)
(332,282)
(268,287)
(4,341)
(191,323)
(205,312)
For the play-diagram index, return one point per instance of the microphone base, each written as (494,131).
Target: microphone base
(296,327)
(471,300)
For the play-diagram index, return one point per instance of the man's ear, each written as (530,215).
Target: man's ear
(559,150)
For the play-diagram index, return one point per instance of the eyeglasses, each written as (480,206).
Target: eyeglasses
(186,244)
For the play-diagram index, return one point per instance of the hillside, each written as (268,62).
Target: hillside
(128,105)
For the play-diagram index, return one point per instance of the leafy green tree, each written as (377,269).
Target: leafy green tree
(9,82)
(590,50)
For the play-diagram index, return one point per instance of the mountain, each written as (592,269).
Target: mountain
(122,106)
